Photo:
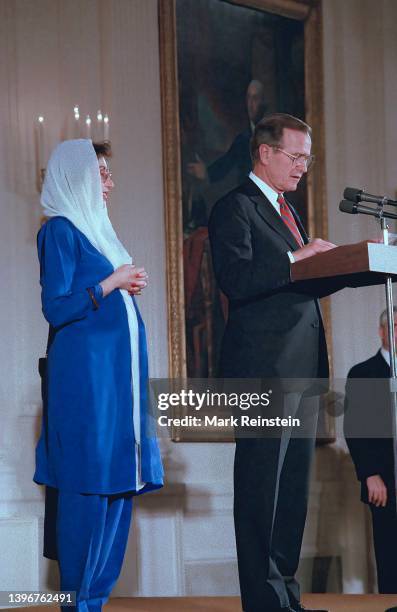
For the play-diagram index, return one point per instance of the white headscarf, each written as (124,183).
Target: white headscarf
(72,189)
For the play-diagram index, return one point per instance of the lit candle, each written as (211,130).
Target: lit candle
(40,143)
(106,127)
(99,129)
(88,126)
(76,122)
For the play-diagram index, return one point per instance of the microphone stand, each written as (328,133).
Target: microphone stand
(392,345)
(353,207)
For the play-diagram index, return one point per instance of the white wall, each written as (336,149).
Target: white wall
(104,54)
(360,59)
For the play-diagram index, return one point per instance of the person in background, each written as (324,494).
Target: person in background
(373,456)
(97,450)
(238,156)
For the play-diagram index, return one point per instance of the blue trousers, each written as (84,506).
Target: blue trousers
(91,533)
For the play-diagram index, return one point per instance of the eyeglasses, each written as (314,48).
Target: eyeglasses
(105,174)
(307,160)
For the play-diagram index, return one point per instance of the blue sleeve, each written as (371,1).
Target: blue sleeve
(58,254)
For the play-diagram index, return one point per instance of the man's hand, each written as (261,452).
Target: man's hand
(377,491)
(317,245)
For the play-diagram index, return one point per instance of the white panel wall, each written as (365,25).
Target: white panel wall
(360,57)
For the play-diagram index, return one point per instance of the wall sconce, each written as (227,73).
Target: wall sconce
(40,148)
(96,131)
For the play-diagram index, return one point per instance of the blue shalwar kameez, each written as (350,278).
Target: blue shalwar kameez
(88,455)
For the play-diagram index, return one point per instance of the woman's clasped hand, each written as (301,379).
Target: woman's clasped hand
(131,278)
(127,277)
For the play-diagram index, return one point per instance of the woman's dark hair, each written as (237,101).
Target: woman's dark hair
(103,149)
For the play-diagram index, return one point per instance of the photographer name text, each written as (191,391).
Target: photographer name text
(215,421)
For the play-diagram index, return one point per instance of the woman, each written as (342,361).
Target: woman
(96,449)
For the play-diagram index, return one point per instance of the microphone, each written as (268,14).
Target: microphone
(352,208)
(358,195)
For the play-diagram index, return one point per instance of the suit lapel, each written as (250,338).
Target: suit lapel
(269,214)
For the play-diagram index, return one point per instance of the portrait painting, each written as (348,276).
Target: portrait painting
(240,64)
(224,66)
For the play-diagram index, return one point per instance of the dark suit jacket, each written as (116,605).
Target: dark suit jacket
(274,328)
(368,415)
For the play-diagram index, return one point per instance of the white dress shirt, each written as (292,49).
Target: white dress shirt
(386,355)
(272,196)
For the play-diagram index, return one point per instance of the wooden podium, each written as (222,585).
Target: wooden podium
(355,265)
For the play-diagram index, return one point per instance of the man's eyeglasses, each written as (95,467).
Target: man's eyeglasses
(307,160)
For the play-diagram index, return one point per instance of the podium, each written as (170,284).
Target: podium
(361,264)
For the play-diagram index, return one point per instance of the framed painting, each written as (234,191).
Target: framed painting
(224,64)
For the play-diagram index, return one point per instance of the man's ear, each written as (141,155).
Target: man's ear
(264,152)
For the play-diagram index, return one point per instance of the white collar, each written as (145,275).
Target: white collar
(386,355)
(267,191)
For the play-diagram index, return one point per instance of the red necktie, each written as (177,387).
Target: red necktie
(288,219)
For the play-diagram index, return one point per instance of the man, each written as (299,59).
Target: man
(238,156)
(368,411)
(274,331)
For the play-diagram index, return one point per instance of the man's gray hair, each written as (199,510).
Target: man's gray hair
(269,130)
(383,316)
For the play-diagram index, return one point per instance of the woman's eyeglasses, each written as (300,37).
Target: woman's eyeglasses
(105,174)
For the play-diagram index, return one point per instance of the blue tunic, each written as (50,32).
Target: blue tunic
(87,441)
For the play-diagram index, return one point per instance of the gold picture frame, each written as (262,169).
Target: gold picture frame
(310,13)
